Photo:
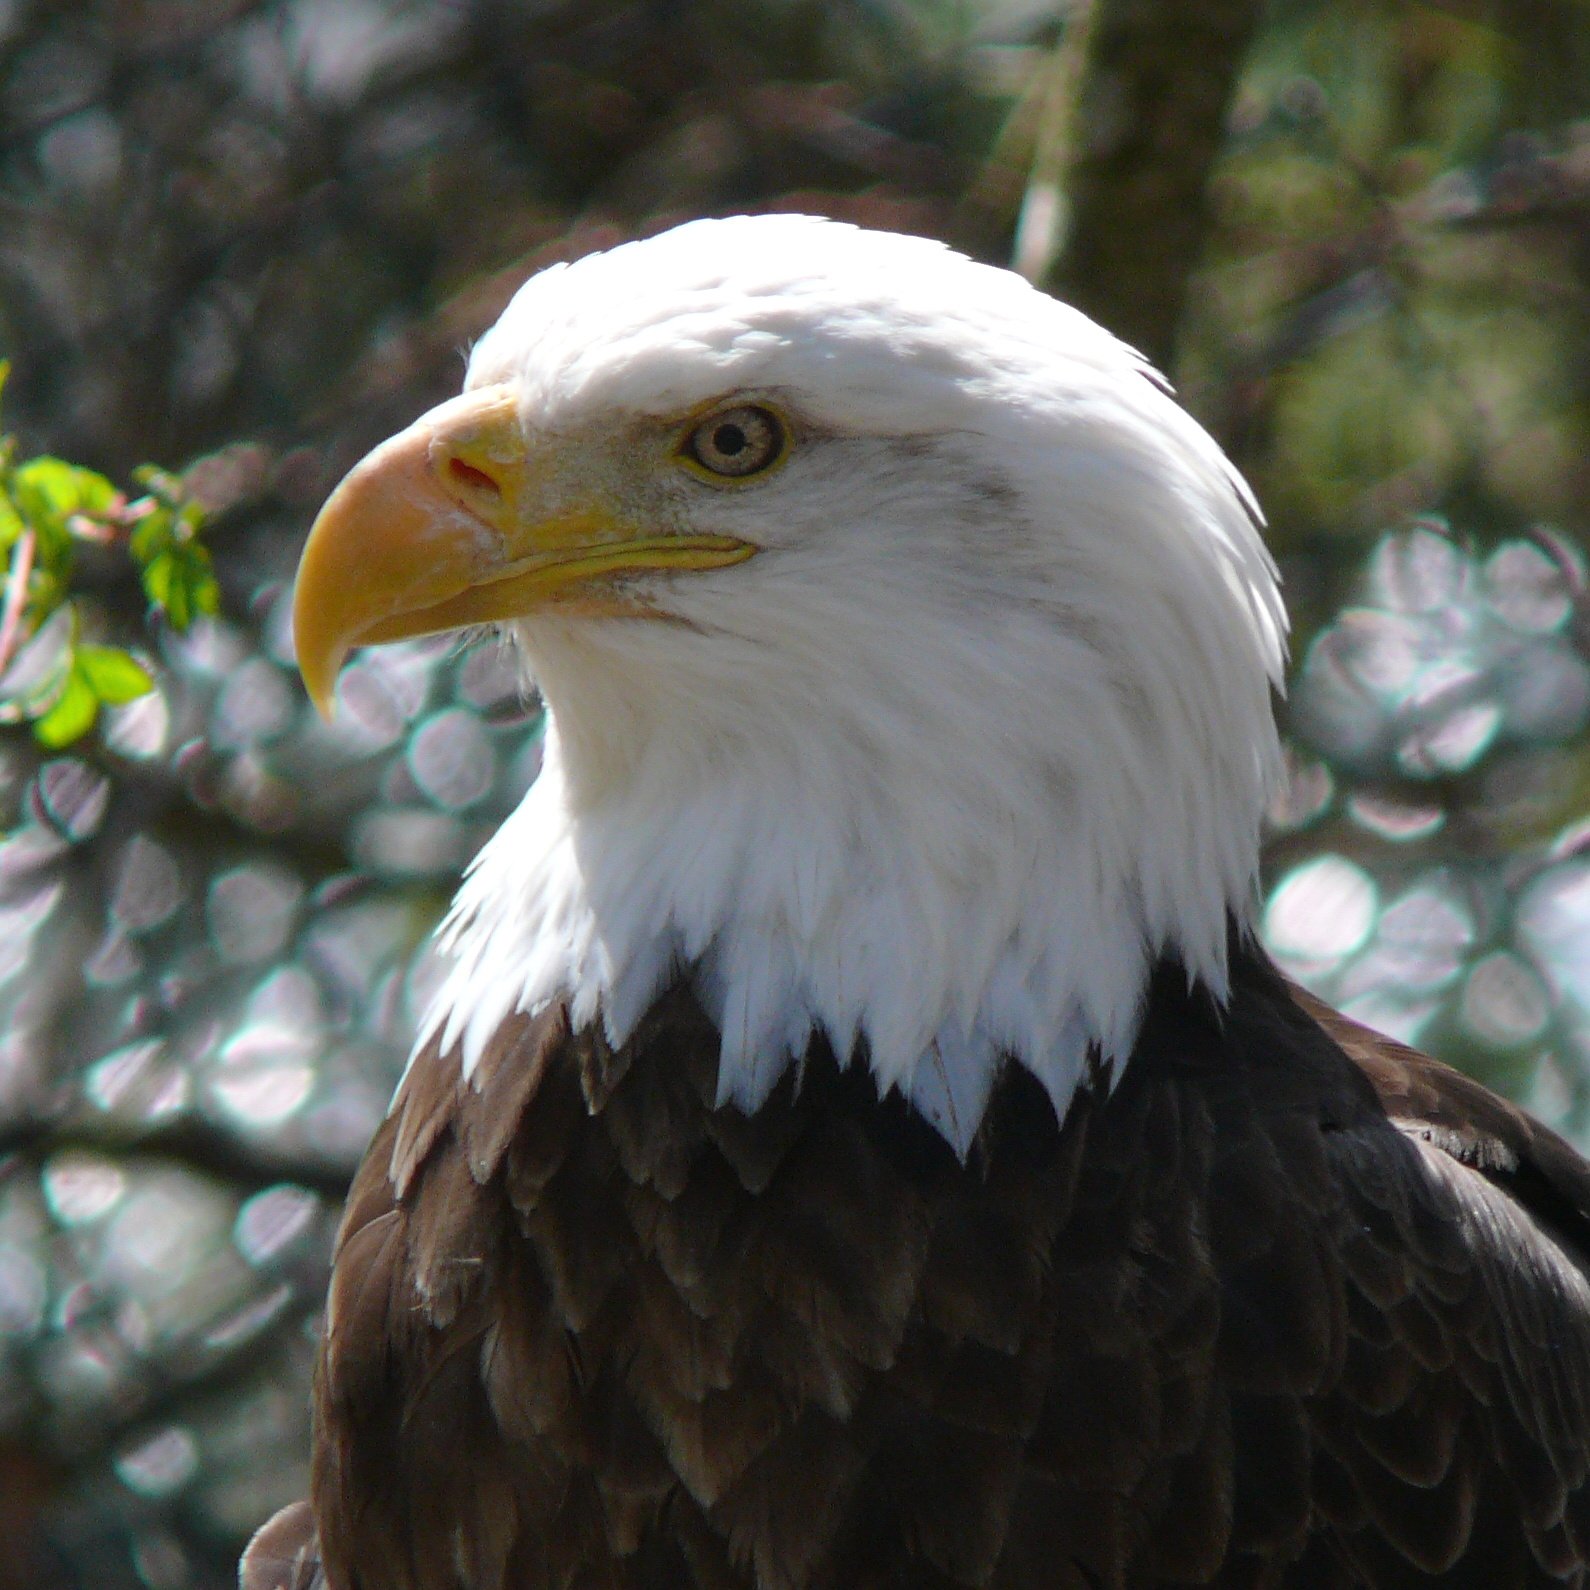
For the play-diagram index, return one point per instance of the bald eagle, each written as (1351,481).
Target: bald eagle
(860,1141)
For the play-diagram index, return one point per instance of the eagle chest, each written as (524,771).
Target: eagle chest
(585,1327)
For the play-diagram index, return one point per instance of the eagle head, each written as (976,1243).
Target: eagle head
(907,653)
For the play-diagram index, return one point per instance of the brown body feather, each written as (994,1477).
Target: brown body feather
(1291,1306)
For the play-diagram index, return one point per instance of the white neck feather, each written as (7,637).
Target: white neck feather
(957,837)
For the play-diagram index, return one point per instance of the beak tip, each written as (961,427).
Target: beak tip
(320,680)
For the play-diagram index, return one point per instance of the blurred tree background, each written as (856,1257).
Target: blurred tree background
(246,239)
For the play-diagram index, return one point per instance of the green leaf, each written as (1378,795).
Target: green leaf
(152,535)
(205,590)
(11,525)
(47,492)
(47,589)
(71,717)
(49,487)
(115,676)
(177,575)
(164,588)
(178,581)
(5,371)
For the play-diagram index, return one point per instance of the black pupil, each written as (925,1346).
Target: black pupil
(729,440)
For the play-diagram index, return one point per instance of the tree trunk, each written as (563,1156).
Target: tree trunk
(1159,79)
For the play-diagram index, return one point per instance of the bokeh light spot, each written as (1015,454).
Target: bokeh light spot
(271,1222)
(1417,571)
(1504,1003)
(73,797)
(1399,821)
(489,677)
(148,885)
(451,759)
(139,1083)
(1528,588)
(81,1187)
(408,842)
(251,911)
(1552,923)
(140,728)
(255,704)
(1321,911)
(160,1463)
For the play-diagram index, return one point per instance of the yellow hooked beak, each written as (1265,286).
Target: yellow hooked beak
(455,521)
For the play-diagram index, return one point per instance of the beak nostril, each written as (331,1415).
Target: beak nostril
(472,479)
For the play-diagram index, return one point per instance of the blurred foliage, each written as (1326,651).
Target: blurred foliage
(214,212)
(51,675)
(281,220)
(1392,311)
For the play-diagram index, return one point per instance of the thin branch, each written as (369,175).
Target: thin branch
(196,1144)
(1044,223)
(16,595)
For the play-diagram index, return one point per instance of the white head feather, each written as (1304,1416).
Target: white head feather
(982,731)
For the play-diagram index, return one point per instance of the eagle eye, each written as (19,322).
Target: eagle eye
(737,442)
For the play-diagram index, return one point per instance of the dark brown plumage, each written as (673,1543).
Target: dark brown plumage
(1291,1306)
